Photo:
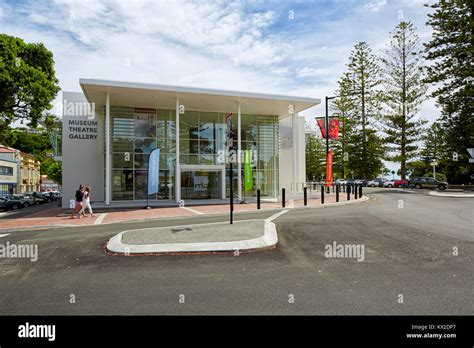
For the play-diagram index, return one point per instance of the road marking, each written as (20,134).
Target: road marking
(100,219)
(274,216)
(4,235)
(193,211)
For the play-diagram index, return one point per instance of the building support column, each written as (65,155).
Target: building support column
(295,152)
(177,172)
(223,182)
(239,157)
(107,149)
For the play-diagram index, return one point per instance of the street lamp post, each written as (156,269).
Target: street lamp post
(327,131)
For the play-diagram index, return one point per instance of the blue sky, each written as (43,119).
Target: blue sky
(286,47)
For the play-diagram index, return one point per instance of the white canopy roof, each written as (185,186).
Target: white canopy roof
(164,97)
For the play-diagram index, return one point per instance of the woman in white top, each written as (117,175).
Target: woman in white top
(86,202)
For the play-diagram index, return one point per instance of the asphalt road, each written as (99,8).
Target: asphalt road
(408,238)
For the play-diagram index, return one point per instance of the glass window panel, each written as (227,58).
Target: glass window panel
(189,125)
(141,177)
(145,124)
(145,145)
(189,159)
(207,159)
(122,131)
(141,161)
(122,184)
(188,146)
(208,125)
(207,147)
(122,160)
(248,129)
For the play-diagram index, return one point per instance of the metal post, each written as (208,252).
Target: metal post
(258,199)
(322,194)
(327,129)
(337,193)
(177,179)
(239,157)
(360,191)
(348,191)
(305,195)
(283,197)
(327,134)
(355,191)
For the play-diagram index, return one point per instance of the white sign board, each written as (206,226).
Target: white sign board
(471,152)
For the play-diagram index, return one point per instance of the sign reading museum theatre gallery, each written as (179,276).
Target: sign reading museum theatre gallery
(82,129)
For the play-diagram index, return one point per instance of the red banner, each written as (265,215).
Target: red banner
(329,168)
(322,127)
(334,128)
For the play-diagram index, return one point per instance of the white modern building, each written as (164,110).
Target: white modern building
(111,127)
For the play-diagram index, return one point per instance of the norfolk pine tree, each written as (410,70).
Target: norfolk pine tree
(363,78)
(451,53)
(404,94)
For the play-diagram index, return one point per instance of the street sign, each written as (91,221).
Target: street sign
(471,152)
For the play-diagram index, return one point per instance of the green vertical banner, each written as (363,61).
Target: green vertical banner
(248,176)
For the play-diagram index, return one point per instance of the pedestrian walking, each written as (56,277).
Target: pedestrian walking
(78,202)
(87,202)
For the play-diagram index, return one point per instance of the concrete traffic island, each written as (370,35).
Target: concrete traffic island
(453,194)
(210,237)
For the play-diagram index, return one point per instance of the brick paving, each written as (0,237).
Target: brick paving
(55,216)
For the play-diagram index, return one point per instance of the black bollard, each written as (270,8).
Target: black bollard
(355,191)
(283,197)
(360,191)
(258,199)
(337,193)
(348,191)
(322,194)
(305,195)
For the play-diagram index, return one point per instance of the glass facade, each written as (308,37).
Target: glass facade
(135,132)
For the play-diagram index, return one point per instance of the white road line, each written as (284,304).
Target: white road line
(274,216)
(4,235)
(193,211)
(100,219)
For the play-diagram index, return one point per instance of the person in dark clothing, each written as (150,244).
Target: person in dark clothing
(79,202)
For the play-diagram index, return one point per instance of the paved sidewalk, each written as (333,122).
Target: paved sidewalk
(57,216)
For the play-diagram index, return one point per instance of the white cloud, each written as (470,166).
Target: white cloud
(375,6)
(307,71)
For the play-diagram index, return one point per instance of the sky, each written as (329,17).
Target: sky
(297,48)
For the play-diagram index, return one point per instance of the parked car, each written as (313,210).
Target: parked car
(39,198)
(427,182)
(401,183)
(28,200)
(389,183)
(376,182)
(341,181)
(51,195)
(10,204)
(365,182)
